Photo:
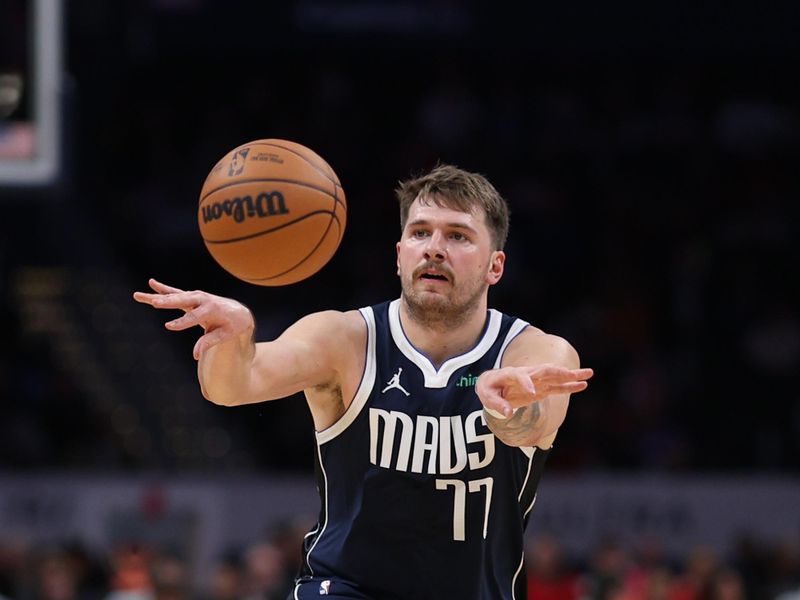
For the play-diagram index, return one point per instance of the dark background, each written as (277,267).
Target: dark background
(649,154)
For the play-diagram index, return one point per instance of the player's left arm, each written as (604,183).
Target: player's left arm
(526,399)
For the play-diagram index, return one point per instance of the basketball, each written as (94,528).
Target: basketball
(272,212)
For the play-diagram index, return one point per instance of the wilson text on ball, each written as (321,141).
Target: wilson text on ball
(266,204)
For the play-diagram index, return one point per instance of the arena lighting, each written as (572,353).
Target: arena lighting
(30,144)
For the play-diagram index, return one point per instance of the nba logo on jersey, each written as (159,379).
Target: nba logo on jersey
(325,587)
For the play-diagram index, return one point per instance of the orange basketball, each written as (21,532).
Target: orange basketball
(272,212)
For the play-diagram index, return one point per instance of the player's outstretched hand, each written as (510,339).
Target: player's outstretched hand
(221,318)
(511,387)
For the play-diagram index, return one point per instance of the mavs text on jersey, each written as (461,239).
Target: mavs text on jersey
(419,499)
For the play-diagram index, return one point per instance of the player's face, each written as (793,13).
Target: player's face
(445,259)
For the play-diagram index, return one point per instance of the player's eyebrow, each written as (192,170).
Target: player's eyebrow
(452,225)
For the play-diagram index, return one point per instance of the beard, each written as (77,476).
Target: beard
(442,311)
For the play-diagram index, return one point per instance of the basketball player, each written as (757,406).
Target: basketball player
(433,414)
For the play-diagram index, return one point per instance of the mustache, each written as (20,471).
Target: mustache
(435,267)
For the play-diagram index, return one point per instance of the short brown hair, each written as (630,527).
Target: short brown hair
(451,187)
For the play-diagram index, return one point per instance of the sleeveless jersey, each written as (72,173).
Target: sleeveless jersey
(419,500)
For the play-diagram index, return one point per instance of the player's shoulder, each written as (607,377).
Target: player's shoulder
(534,343)
(336,338)
(340,324)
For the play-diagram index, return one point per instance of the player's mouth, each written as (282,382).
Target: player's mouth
(433,275)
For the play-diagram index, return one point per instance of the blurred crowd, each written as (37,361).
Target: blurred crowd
(265,570)
(141,570)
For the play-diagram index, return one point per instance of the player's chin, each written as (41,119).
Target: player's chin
(433,286)
(432,294)
(436,302)
(426,296)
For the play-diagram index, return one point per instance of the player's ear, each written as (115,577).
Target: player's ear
(497,264)
(398,257)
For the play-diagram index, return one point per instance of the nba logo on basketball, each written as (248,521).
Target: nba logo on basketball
(237,162)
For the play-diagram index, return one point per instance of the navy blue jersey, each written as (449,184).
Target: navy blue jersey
(419,500)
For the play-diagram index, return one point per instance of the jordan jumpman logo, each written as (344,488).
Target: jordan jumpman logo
(394,382)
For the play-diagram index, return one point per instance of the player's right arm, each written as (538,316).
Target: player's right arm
(234,370)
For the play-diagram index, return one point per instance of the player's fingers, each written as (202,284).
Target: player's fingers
(195,316)
(192,317)
(162,288)
(500,405)
(144,297)
(571,387)
(183,300)
(168,299)
(491,388)
(493,399)
(547,371)
(158,301)
(582,374)
(559,374)
(525,382)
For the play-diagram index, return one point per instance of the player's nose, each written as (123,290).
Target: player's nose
(436,249)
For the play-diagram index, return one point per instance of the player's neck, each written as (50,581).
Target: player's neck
(441,340)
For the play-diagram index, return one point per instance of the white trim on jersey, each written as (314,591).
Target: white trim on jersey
(514,579)
(530,508)
(516,328)
(528,450)
(364,388)
(525,449)
(327,515)
(434,378)
(532,451)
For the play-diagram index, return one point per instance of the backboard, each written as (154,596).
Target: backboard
(30,76)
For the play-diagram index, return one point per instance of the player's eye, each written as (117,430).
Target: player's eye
(458,236)
(419,233)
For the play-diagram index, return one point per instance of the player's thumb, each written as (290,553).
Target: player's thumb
(205,342)
(198,348)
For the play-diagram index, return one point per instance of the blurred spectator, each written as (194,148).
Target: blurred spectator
(287,537)
(170,577)
(699,571)
(55,577)
(227,579)
(605,577)
(13,556)
(91,576)
(784,567)
(263,572)
(549,578)
(727,585)
(130,568)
